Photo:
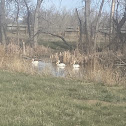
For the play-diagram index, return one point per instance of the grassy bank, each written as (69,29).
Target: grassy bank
(58,45)
(27,100)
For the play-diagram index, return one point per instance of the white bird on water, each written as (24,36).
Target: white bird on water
(34,63)
(60,64)
(76,65)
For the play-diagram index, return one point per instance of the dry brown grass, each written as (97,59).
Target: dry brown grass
(107,75)
(23,48)
(17,64)
(38,51)
(68,57)
(13,49)
(100,69)
(11,60)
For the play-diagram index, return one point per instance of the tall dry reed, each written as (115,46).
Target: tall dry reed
(39,51)
(68,57)
(107,75)
(10,60)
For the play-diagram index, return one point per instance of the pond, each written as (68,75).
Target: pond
(48,67)
(84,72)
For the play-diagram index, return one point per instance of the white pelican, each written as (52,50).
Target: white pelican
(75,65)
(34,63)
(60,64)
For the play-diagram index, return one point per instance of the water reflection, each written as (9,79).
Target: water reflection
(49,68)
(53,69)
(60,71)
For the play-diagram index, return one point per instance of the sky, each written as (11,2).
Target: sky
(71,4)
(60,4)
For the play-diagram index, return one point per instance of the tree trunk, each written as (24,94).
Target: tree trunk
(119,34)
(95,34)
(0,26)
(17,18)
(79,44)
(55,35)
(28,19)
(97,24)
(87,26)
(3,37)
(111,19)
(36,25)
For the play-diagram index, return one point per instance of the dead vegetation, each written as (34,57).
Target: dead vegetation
(103,67)
(12,57)
(69,57)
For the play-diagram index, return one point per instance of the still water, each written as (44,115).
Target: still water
(49,68)
(53,69)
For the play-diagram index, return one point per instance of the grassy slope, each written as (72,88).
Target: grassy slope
(27,100)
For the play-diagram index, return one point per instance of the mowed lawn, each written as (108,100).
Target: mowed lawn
(27,100)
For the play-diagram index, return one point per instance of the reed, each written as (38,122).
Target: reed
(107,75)
(100,67)
(68,57)
(13,49)
(102,73)
(12,61)
(39,51)
(17,64)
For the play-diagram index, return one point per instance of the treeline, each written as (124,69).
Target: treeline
(93,17)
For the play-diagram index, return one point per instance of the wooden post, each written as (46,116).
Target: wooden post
(24,52)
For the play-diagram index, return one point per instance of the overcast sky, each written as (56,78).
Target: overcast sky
(71,4)
(60,4)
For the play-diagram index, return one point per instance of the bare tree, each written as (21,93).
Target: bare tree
(80,31)
(17,2)
(0,25)
(36,25)
(28,18)
(111,20)
(112,16)
(87,26)
(118,38)
(119,35)
(97,24)
(3,37)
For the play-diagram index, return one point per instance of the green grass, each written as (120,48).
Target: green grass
(27,100)
(57,45)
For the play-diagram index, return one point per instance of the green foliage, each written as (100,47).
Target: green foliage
(27,100)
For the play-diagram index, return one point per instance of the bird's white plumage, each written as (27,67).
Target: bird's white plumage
(60,64)
(34,63)
(75,65)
